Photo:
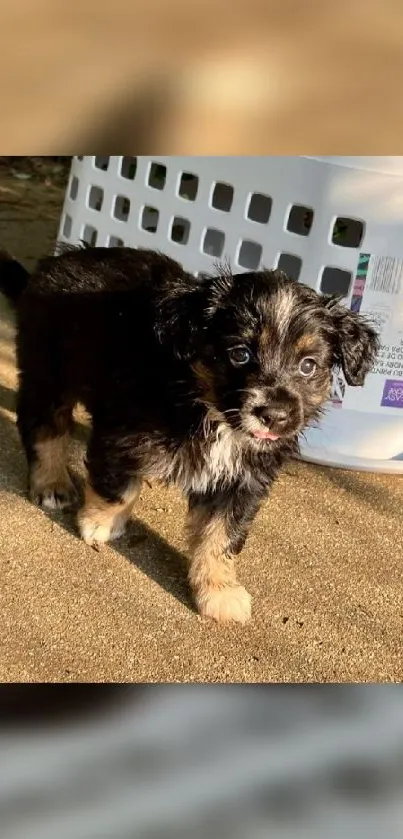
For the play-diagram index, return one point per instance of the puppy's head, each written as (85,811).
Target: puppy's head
(262,348)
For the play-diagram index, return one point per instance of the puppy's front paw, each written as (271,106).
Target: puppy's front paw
(96,532)
(231,603)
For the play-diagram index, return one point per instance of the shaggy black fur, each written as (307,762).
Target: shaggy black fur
(13,277)
(205,383)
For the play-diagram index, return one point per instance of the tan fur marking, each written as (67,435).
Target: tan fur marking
(99,507)
(49,477)
(100,520)
(132,493)
(305,343)
(212,573)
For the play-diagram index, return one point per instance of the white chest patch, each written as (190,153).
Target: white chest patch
(220,462)
(201,466)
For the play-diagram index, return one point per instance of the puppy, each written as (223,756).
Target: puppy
(204,383)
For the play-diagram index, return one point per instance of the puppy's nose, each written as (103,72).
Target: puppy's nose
(273,416)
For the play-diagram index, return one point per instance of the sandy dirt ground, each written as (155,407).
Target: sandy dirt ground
(323,563)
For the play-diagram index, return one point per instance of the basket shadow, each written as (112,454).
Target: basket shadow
(365,488)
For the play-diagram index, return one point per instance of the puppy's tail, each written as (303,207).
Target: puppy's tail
(13,278)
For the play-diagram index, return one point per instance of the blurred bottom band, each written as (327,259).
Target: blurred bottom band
(158,762)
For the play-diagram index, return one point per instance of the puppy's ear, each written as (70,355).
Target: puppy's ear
(185,311)
(356,342)
(181,318)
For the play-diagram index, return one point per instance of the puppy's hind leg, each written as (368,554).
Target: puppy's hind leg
(44,423)
(111,491)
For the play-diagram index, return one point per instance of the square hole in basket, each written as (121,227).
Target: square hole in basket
(259,207)
(347,232)
(157,176)
(223,196)
(101,163)
(95,198)
(128,168)
(115,242)
(188,186)
(74,188)
(335,281)
(250,254)
(149,219)
(67,225)
(290,264)
(121,208)
(180,229)
(213,242)
(300,219)
(90,235)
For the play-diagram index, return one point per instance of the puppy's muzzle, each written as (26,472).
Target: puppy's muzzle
(275,414)
(274,417)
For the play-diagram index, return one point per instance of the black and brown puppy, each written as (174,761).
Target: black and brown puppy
(202,383)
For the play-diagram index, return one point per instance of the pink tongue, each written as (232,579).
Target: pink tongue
(265,435)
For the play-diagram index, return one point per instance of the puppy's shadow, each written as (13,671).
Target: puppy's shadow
(140,545)
(145,549)
(156,558)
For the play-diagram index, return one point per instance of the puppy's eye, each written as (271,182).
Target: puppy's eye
(239,356)
(307,367)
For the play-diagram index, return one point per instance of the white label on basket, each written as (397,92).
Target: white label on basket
(378,294)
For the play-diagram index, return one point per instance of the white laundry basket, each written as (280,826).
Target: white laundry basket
(335,223)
